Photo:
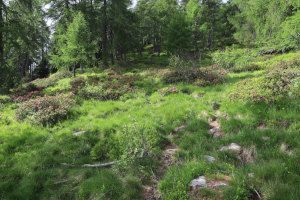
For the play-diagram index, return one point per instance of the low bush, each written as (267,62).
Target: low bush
(4,99)
(166,91)
(279,82)
(100,92)
(139,144)
(193,75)
(45,110)
(236,60)
(28,96)
(52,80)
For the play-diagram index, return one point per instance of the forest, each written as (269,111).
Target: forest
(150,99)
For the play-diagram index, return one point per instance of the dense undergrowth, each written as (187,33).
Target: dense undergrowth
(127,119)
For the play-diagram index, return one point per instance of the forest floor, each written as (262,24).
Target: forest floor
(198,143)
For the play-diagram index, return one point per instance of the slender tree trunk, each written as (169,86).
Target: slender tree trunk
(74,70)
(104,39)
(1,34)
(81,69)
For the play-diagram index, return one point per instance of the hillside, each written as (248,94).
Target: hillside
(159,130)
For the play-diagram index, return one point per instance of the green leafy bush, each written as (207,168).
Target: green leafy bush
(99,92)
(190,75)
(236,60)
(139,144)
(52,80)
(166,91)
(279,82)
(4,99)
(45,110)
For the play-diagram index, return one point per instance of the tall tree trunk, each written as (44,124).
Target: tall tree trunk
(1,34)
(104,39)
(74,70)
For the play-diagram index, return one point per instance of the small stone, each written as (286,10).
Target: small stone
(180,128)
(79,133)
(233,147)
(210,158)
(265,138)
(218,185)
(284,149)
(217,135)
(198,182)
(213,130)
(251,175)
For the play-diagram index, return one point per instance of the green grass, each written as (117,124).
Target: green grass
(45,162)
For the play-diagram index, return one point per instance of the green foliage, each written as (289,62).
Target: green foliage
(100,92)
(76,47)
(278,83)
(190,75)
(45,110)
(52,80)
(4,99)
(178,37)
(139,144)
(236,60)
(166,91)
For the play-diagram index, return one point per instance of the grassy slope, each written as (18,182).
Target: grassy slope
(31,156)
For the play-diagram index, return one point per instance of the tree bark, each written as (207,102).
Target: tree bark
(1,34)
(104,39)
(74,70)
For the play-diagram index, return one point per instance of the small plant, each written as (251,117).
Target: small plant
(4,99)
(166,91)
(139,144)
(45,110)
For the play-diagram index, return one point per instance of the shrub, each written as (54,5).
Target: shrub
(27,97)
(236,60)
(114,92)
(189,75)
(139,144)
(4,99)
(277,83)
(45,110)
(52,80)
(166,91)
(77,84)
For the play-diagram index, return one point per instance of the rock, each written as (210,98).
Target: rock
(79,133)
(198,182)
(284,149)
(214,130)
(218,185)
(265,138)
(262,127)
(251,175)
(180,128)
(217,134)
(210,158)
(233,147)
(248,154)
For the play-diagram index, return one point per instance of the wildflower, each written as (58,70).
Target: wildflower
(273,98)
(270,100)
(258,99)
(253,100)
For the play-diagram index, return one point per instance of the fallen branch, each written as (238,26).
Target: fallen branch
(99,165)
(63,181)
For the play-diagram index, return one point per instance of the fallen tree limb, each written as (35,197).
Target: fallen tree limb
(99,165)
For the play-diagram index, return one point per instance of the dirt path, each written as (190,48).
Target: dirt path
(150,192)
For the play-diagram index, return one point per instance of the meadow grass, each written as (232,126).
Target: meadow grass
(45,162)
